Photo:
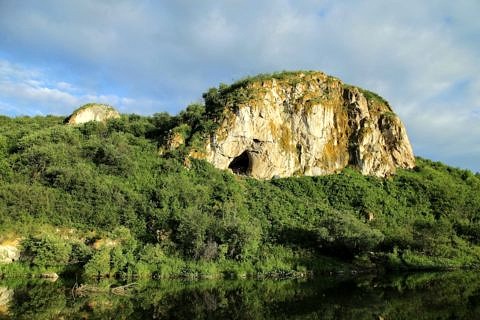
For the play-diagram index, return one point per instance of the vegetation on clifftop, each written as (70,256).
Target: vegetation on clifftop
(100,198)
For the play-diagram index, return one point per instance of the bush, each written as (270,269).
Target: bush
(102,176)
(433,237)
(81,253)
(46,251)
(345,235)
(99,265)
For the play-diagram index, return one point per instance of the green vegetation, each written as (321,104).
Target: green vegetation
(374,101)
(290,76)
(373,96)
(437,296)
(88,105)
(239,92)
(99,198)
(112,200)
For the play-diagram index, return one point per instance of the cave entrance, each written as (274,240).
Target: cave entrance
(241,164)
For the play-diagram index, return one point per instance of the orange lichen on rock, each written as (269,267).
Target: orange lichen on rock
(306,123)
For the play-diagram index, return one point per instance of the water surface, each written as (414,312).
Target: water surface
(454,295)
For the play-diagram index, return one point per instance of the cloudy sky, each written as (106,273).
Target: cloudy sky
(152,56)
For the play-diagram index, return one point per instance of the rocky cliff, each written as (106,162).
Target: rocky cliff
(6,296)
(92,112)
(9,252)
(303,123)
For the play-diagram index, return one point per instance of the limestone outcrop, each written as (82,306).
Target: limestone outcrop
(92,112)
(303,123)
(6,296)
(9,251)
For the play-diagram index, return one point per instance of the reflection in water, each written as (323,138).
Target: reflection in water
(417,296)
(5,298)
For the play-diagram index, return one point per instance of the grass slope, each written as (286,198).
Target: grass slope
(99,197)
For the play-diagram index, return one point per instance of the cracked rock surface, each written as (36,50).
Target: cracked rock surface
(308,124)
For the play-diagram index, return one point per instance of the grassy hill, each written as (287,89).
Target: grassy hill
(100,198)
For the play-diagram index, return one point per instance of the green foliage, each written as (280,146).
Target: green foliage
(290,76)
(230,96)
(99,264)
(88,105)
(344,234)
(447,295)
(214,102)
(373,96)
(81,253)
(110,180)
(46,251)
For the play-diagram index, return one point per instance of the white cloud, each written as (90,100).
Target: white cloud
(414,53)
(33,93)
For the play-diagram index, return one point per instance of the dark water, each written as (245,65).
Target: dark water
(414,296)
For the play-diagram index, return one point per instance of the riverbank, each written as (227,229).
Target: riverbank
(304,266)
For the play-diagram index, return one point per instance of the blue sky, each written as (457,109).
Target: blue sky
(153,56)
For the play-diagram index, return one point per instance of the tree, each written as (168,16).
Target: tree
(345,235)
(46,250)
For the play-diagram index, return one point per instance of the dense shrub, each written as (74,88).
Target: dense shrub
(98,177)
(344,234)
(99,264)
(46,251)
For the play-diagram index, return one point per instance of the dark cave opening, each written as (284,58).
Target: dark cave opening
(241,164)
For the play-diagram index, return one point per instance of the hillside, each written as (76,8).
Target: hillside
(116,198)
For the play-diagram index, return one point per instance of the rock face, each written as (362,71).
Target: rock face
(92,112)
(6,296)
(9,252)
(305,123)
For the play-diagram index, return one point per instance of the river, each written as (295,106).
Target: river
(449,295)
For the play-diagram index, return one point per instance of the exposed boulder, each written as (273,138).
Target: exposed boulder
(9,251)
(104,243)
(6,296)
(303,123)
(92,112)
(50,276)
